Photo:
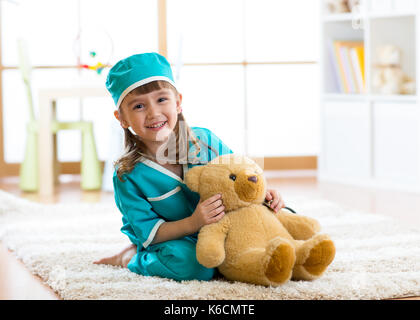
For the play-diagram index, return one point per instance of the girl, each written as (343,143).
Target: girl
(161,215)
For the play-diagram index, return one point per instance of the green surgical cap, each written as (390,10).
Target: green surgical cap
(135,71)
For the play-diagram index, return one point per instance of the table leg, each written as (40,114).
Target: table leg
(45,146)
(56,165)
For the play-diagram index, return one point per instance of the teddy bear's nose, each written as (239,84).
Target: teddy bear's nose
(253,179)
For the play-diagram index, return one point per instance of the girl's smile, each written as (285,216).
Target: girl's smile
(152,116)
(157,125)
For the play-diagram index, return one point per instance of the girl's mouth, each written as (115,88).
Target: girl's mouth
(158,126)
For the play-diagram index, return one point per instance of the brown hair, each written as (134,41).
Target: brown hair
(134,146)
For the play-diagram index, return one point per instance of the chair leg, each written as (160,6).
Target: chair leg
(56,164)
(90,165)
(28,180)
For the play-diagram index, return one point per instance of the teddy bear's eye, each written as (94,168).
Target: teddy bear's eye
(232,176)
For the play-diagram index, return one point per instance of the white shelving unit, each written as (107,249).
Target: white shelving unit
(371,139)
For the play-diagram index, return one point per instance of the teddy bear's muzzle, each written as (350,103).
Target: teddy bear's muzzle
(249,187)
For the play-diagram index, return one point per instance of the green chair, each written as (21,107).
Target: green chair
(91,176)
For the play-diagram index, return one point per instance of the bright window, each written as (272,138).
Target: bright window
(205,31)
(282,120)
(248,71)
(50,29)
(247,68)
(216,102)
(281,30)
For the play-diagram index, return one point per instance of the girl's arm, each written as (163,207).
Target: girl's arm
(174,230)
(206,212)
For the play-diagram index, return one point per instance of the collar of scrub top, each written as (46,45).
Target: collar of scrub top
(167,172)
(163,170)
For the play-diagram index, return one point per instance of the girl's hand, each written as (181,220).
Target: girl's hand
(208,211)
(277,202)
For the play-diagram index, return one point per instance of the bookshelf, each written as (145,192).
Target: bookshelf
(369,138)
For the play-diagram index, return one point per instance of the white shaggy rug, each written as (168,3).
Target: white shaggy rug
(376,257)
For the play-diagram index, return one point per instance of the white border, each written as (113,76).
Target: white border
(140,83)
(166,195)
(153,233)
(158,167)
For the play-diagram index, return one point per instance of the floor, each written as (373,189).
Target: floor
(16,282)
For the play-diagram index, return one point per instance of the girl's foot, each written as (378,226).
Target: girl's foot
(120,259)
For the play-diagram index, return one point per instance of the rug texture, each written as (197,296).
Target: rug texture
(376,257)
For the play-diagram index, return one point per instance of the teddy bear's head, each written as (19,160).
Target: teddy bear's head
(338,6)
(389,55)
(239,179)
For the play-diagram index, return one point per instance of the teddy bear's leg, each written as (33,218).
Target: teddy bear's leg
(313,256)
(282,259)
(272,265)
(299,227)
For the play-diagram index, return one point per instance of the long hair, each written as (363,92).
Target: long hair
(135,147)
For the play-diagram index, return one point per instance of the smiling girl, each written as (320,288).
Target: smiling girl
(161,216)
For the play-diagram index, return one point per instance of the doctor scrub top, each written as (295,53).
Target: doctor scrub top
(152,194)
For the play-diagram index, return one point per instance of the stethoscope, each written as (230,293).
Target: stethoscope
(268,203)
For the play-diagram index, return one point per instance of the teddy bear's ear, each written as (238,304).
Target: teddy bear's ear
(192,178)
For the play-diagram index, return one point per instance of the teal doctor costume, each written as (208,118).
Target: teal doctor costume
(151,194)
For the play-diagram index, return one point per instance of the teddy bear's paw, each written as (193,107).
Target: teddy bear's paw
(211,261)
(280,266)
(320,257)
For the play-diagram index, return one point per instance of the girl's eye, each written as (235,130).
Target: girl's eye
(233,177)
(162,99)
(138,106)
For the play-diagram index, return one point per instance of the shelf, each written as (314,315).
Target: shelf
(391,15)
(394,98)
(370,97)
(345,96)
(340,17)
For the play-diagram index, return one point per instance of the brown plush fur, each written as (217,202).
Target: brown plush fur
(251,243)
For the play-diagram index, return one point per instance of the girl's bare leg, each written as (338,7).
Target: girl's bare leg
(120,259)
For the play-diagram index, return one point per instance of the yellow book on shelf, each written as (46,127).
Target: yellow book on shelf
(348,44)
(360,50)
(357,70)
(356,88)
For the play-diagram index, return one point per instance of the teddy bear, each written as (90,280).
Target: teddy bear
(388,76)
(342,6)
(337,6)
(252,243)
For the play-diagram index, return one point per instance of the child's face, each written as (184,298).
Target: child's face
(152,116)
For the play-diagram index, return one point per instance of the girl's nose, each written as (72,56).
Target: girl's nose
(152,111)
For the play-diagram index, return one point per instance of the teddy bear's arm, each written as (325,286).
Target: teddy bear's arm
(299,227)
(211,243)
